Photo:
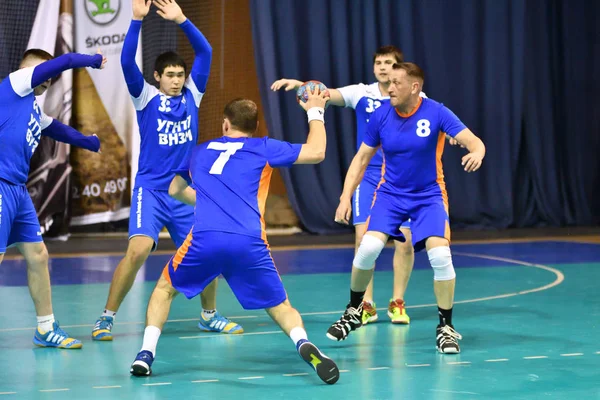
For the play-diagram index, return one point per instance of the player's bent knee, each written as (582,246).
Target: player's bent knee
(139,250)
(440,259)
(368,251)
(36,254)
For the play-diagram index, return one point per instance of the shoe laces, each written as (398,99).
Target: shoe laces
(59,332)
(449,331)
(398,303)
(104,323)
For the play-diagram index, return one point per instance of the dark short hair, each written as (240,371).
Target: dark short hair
(389,50)
(37,53)
(242,114)
(411,69)
(168,59)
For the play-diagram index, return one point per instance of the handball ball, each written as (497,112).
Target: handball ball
(302,95)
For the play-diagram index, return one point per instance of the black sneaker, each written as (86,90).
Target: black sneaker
(351,320)
(323,365)
(446,339)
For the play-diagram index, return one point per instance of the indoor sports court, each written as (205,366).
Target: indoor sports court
(526,309)
(480,120)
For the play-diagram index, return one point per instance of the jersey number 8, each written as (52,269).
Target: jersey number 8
(423,128)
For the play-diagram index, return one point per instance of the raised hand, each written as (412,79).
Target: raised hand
(316,98)
(140,8)
(170,10)
(287,84)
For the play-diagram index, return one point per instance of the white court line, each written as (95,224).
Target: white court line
(559,279)
(228,336)
(497,360)
(377,368)
(298,374)
(571,354)
(418,365)
(598,352)
(54,390)
(157,384)
(534,357)
(106,387)
(344,370)
(206,381)
(451,391)
(2,393)
(458,362)
(246,378)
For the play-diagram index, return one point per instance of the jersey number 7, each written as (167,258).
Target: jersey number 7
(228,149)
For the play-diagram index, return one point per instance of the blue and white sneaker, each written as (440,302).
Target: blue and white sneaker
(55,338)
(103,329)
(219,323)
(142,366)
(325,367)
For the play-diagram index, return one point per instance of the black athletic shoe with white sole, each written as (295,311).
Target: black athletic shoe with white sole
(323,365)
(446,339)
(351,320)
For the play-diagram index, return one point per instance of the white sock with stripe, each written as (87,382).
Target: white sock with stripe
(297,334)
(45,322)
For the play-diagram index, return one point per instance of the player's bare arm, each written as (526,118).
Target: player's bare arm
(313,151)
(140,9)
(335,99)
(353,177)
(180,190)
(472,161)
(170,10)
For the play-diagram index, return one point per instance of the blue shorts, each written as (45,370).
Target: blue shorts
(362,200)
(427,212)
(18,219)
(151,210)
(244,261)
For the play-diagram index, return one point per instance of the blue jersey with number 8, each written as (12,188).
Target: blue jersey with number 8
(412,146)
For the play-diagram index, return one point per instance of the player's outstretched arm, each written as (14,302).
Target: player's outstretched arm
(133,76)
(353,177)
(170,10)
(49,69)
(335,99)
(180,190)
(313,151)
(472,161)
(66,134)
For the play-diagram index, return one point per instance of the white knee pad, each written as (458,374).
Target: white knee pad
(440,259)
(368,251)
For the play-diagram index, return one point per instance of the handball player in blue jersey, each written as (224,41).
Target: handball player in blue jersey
(229,182)
(410,132)
(168,122)
(364,99)
(22,123)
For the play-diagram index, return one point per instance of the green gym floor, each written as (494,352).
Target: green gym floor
(529,314)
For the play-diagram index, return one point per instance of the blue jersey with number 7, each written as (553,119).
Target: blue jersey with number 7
(231,177)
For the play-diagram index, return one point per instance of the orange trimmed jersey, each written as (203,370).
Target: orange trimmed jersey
(231,177)
(412,146)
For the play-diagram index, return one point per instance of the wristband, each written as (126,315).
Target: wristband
(316,113)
